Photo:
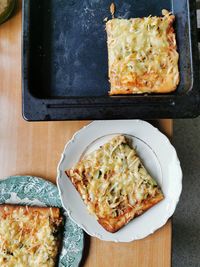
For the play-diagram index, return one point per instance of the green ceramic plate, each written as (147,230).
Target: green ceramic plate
(28,190)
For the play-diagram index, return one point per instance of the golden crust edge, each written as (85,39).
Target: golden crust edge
(118,224)
(77,185)
(130,215)
(166,87)
(43,210)
(132,90)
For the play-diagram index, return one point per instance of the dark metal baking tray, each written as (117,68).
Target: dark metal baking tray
(65,61)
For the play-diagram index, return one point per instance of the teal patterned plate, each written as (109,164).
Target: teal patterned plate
(28,190)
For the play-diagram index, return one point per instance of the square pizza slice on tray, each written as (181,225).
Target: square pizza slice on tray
(114,184)
(142,55)
(29,236)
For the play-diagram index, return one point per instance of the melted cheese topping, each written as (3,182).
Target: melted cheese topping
(142,54)
(27,239)
(112,179)
(4,4)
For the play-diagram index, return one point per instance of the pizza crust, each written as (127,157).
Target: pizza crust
(113,225)
(130,198)
(37,234)
(52,211)
(142,55)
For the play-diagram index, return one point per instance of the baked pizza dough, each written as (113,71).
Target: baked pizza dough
(29,236)
(114,184)
(142,55)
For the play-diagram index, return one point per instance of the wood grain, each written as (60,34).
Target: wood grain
(35,149)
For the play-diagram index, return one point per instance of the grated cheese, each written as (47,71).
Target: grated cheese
(26,239)
(115,182)
(142,54)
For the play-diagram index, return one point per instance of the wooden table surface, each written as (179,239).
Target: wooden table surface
(35,148)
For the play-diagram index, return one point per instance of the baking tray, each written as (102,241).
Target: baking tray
(65,61)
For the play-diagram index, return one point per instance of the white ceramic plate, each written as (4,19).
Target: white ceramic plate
(159,157)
